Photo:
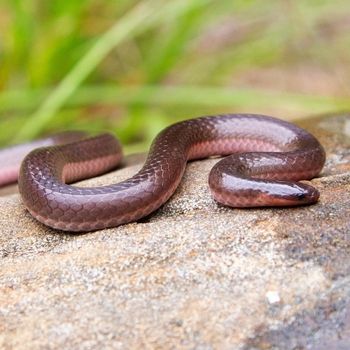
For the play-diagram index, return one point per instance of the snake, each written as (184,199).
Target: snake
(265,159)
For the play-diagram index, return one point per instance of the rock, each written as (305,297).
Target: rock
(193,275)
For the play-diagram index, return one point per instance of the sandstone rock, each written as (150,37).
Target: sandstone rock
(193,275)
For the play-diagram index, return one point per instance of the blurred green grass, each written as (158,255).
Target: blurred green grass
(133,67)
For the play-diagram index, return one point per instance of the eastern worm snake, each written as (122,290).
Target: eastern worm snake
(267,158)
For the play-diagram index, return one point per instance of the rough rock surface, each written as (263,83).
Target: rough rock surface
(192,275)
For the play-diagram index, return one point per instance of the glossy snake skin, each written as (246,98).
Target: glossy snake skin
(267,158)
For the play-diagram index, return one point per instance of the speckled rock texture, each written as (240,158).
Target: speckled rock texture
(194,275)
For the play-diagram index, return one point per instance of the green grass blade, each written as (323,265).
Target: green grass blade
(165,96)
(143,17)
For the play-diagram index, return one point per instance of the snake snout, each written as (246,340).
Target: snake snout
(304,194)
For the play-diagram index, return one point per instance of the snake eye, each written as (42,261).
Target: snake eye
(300,196)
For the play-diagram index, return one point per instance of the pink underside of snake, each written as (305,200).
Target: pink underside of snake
(267,159)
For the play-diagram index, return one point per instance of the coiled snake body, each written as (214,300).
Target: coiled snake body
(267,158)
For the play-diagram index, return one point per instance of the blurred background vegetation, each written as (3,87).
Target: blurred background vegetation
(133,67)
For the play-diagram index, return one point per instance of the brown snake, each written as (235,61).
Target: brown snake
(267,158)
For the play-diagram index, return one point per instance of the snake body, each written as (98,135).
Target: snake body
(267,158)
(12,157)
